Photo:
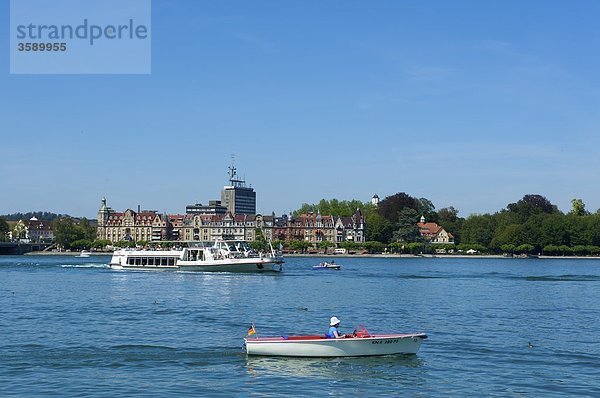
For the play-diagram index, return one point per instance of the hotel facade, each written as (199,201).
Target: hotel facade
(151,226)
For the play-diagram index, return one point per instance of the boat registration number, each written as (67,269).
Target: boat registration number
(385,341)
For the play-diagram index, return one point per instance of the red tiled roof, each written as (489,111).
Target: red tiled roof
(428,228)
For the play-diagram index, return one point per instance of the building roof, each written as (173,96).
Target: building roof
(430,229)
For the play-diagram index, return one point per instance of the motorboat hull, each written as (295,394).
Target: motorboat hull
(318,346)
(327,265)
(334,267)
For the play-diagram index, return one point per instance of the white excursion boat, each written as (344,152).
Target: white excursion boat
(356,345)
(327,265)
(219,256)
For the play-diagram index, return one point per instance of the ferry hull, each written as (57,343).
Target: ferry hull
(239,266)
(251,265)
(316,346)
(218,257)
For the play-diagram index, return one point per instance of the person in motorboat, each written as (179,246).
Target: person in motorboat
(333,332)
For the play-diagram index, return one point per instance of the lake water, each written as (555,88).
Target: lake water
(72,327)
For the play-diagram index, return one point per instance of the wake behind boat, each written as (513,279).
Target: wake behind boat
(219,256)
(355,345)
(327,265)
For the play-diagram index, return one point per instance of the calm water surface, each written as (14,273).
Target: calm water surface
(72,327)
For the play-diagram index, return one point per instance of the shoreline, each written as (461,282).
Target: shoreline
(473,256)
(333,256)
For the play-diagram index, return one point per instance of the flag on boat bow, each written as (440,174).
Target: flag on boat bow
(251,331)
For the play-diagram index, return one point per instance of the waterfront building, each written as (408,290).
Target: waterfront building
(213,207)
(315,228)
(434,233)
(151,226)
(128,225)
(237,197)
(351,229)
(266,224)
(161,228)
(279,229)
(39,231)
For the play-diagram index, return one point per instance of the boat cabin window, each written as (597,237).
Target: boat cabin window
(152,261)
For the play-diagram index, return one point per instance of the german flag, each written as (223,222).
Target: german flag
(251,331)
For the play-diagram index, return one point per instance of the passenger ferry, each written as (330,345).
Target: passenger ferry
(219,256)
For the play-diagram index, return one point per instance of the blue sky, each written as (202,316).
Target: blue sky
(470,104)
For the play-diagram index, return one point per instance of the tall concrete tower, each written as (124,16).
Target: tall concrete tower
(237,197)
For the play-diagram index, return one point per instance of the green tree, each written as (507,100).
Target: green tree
(260,243)
(326,245)
(335,207)
(100,244)
(427,210)
(524,248)
(564,250)
(478,229)
(448,218)
(551,250)
(554,231)
(81,244)
(4,228)
(530,205)
(68,230)
(406,226)
(397,247)
(390,207)
(349,245)
(88,230)
(580,250)
(299,245)
(578,208)
(65,232)
(508,248)
(414,247)
(374,247)
(512,234)
(464,247)
(378,228)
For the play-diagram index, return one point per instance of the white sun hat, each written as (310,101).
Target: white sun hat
(333,321)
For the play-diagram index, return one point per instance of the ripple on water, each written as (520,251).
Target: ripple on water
(81,329)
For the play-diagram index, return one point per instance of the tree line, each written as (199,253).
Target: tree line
(40,215)
(531,225)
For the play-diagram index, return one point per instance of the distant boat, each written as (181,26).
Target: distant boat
(84,253)
(327,265)
(354,345)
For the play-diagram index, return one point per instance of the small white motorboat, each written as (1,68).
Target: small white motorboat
(327,265)
(85,253)
(355,345)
